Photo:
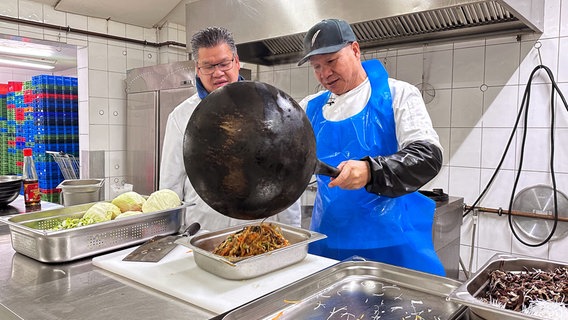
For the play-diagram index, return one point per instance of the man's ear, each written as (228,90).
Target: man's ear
(356,49)
(237,61)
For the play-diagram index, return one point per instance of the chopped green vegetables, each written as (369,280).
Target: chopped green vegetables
(70,223)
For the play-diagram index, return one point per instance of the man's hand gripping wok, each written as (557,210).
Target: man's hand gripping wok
(354,174)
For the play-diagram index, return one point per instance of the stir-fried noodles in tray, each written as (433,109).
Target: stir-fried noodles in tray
(252,240)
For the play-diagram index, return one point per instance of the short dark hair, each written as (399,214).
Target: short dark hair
(210,37)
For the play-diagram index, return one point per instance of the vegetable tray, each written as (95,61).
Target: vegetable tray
(470,291)
(31,235)
(253,266)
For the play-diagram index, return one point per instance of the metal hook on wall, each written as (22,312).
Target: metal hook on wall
(60,45)
(537,46)
(426,89)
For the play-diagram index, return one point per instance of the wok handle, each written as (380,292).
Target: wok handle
(326,169)
(192,229)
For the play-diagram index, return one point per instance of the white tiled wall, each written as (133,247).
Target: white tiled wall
(479,85)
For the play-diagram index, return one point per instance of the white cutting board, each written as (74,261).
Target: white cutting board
(179,276)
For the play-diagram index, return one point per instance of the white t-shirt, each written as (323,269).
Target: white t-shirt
(411,117)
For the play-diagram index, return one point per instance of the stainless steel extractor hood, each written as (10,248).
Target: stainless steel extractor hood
(271,32)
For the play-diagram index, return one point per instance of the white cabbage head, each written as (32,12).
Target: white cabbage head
(102,211)
(129,201)
(161,200)
(128,214)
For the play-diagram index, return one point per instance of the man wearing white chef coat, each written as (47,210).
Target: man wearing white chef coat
(377,131)
(217,64)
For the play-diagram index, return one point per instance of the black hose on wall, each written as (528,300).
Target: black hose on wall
(525,108)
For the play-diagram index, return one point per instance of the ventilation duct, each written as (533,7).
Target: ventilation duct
(271,32)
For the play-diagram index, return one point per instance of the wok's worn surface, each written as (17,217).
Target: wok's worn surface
(249,150)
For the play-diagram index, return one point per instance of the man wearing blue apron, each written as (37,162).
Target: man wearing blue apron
(377,131)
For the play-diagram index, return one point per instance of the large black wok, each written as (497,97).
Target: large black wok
(249,150)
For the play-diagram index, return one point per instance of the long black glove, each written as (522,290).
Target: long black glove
(405,171)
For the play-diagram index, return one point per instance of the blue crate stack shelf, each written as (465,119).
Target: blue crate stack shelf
(41,114)
(3,130)
(11,128)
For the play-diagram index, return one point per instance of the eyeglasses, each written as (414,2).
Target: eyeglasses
(223,66)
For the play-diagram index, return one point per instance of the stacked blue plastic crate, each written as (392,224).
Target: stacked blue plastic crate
(14,156)
(3,130)
(22,126)
(56,128)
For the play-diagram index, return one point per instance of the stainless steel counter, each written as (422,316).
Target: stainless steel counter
(76,290)
(79,291)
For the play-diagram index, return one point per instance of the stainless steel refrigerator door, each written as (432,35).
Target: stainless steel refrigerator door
(169,100)
(152,93)
(141,141)
(147,116)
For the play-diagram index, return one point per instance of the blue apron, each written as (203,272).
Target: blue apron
(396,231)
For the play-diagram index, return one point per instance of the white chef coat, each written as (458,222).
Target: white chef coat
(174,177)
(411,117)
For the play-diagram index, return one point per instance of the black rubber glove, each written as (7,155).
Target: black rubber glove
(405,171)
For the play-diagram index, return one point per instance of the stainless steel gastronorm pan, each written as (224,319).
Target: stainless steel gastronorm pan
(468,292)
(357,289)
(31,236)
(249,267)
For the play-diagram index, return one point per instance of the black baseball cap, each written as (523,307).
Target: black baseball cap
(327,36)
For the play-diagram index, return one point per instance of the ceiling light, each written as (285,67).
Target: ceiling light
(45,65)
(25,50)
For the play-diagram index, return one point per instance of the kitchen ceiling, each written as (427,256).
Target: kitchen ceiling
(143,13)
(393,24)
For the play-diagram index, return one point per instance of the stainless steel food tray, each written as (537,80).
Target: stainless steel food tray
(468,292)
(249,267)
(30,235)
(357,289)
